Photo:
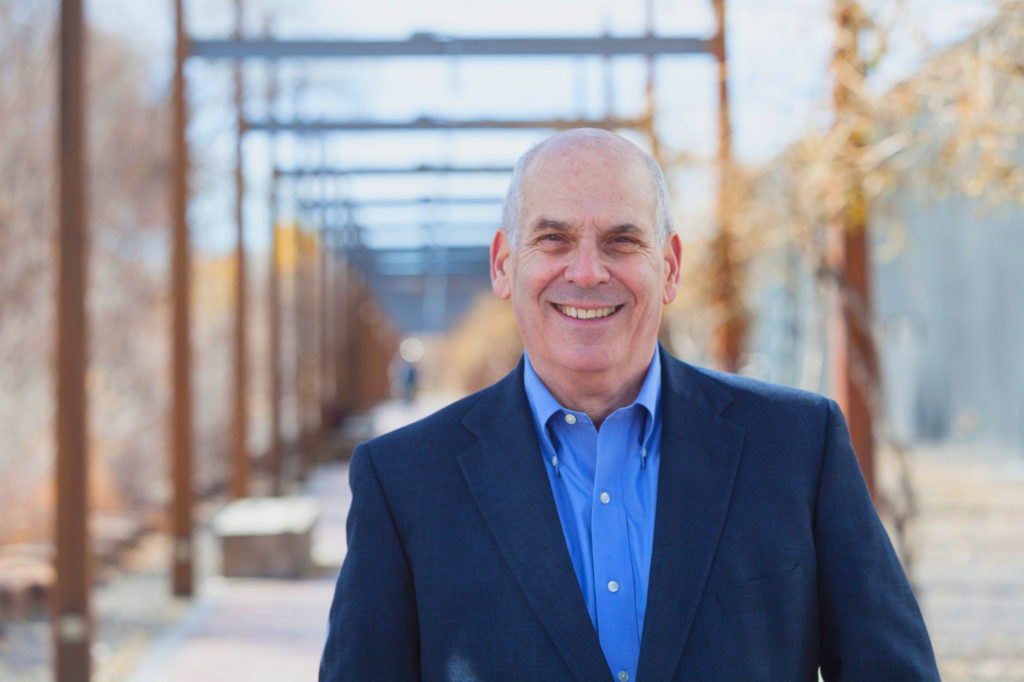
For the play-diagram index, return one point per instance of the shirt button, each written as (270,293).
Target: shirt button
(605,498)
(554,461)
(623,676)
(570,419)
(613,586)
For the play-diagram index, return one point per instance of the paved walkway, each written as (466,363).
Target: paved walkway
(968,553)
(262,630)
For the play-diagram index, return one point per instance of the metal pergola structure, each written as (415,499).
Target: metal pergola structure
(418,45)
(72,617)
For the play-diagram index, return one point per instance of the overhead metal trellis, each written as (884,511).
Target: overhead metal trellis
(428,45)
(389,170)
(399,202)
(427,123)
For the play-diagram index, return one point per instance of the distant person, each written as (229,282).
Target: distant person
(606,511)
(409,382)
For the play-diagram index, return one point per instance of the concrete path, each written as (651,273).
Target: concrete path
(261,630)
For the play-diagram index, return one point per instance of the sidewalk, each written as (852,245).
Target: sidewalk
(269,630)
(968,566)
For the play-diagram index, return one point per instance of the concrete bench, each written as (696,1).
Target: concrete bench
(267,537)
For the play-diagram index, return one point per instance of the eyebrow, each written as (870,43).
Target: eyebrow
(551,224)
(625,228)
(562,226)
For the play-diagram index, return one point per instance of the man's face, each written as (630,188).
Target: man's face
(589,275)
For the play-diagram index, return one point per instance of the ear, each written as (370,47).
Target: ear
(501,273)
(672,257)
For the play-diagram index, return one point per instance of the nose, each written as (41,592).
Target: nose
(586,267)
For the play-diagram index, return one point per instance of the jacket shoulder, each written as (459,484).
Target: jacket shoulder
(444,430)
(737,392)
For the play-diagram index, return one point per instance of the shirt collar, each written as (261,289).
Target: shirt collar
(544,405)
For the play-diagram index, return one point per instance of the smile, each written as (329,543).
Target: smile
(586,313)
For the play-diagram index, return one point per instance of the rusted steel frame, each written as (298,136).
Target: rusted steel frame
(430,123)
(181,353)
(426,45)
(398,202)
(853,355)
(274,307)
(728,335)
(239,421)
(328,389)
(392,170)
(72,618)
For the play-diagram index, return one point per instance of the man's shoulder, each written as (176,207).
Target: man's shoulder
(446,429)
(737,392)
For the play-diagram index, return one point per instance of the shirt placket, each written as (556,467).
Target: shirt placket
(613,568)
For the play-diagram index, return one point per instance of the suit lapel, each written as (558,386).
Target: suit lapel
(699,456)
(506,477)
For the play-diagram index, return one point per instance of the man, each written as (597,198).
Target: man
(607,512)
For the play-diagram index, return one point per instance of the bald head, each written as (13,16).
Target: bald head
(585,138)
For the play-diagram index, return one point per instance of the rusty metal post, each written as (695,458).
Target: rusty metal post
(853,355)
(181,352)
(274,307)
(728,335)
(72,620)
(650,104)
(327,393)
(300,319)
(239,422)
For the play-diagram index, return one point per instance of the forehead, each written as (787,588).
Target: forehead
(603,183)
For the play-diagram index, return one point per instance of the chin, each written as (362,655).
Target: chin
(586,360)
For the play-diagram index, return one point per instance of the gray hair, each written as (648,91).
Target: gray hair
(514,196)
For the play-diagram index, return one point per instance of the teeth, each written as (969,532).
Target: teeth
(585,313)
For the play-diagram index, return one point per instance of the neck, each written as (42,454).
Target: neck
(594,394)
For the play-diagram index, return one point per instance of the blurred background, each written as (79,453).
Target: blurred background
(207,299)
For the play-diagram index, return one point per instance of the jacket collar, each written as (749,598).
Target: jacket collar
(700,452)
(507,479)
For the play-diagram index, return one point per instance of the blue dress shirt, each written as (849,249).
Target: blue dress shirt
(605,485)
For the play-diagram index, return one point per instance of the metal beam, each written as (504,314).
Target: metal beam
(399,202)
(395,170)
(181,353)
(427,45)
(72,620)
(240,376)
(430,123)
(412,225)
(853,353)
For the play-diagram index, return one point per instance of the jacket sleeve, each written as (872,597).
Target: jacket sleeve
(871,626)
(373,631)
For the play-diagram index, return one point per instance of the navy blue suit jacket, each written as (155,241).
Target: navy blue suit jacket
(769,559)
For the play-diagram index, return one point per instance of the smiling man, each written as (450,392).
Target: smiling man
(607,512)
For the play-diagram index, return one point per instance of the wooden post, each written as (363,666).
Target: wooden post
(72,620)
(728,336)
(240,423)
(181,352)
(853,357)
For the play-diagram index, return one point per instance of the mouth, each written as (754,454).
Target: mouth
(587,313)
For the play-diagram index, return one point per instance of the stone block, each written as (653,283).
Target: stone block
(267,537)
